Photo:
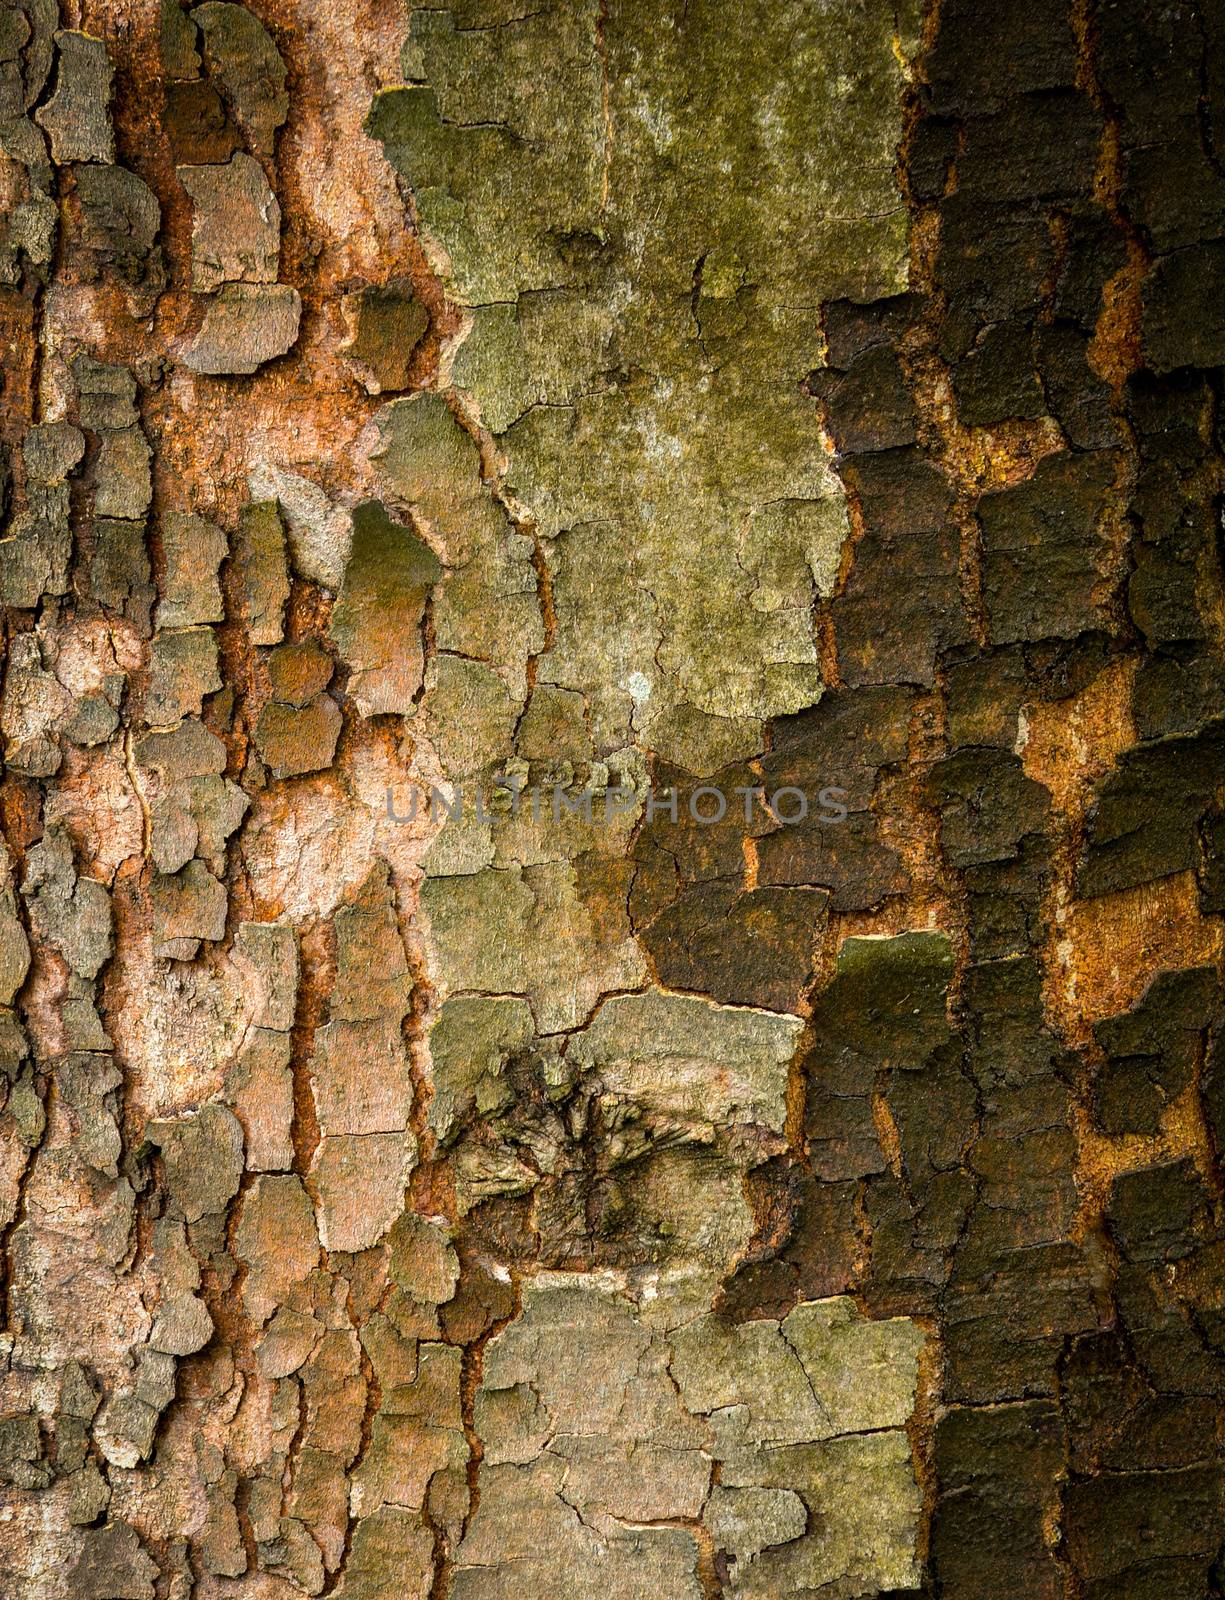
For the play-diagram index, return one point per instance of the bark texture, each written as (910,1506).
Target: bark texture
(466,471)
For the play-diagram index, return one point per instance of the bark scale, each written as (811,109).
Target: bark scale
(611,915)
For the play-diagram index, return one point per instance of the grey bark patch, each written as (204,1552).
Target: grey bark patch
(236,224)
(114,1565)
(77,118)
(194,549)
(240,53)
(244,326)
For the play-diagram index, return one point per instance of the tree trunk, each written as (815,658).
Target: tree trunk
(613,853)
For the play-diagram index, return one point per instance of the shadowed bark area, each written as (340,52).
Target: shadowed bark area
(613,800)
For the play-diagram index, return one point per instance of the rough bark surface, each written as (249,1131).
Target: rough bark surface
(446,451)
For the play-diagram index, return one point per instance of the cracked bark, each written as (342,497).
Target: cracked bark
(600,400)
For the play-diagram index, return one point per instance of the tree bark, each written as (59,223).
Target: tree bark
(613,724)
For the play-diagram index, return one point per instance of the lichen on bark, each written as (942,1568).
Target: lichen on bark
(466,469)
